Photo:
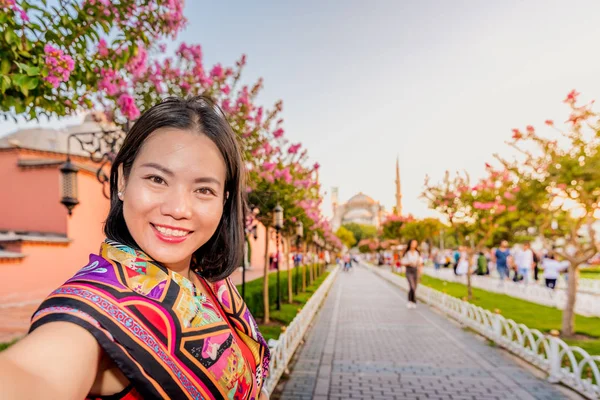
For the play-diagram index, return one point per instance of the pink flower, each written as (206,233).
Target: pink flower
(530,129)
(316,166)
(278,133)
(267,148)
(571,97)
(59,65)
(138,65)
(268,166)
(549,122)
(217,72)
(102,48)
(512,208)
(517,134)
(294,148)
(225,89)
(509,196)
(127,105)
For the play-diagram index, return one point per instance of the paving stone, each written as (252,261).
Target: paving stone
(365,344)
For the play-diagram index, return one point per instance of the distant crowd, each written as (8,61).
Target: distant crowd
(519,263)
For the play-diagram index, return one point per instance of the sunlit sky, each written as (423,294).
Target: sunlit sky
(438,83)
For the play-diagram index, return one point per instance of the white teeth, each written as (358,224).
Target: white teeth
(170,232)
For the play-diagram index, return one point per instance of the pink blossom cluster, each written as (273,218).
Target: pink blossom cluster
(293,149)
(12,5)
(138,65)
(59,65)
(167,13)
(128,107)
(283,174)
(111,81)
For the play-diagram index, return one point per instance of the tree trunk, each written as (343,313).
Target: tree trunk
(290,268)
(470,254)
(568,317)
(266,318)
(311,267)
(304,269)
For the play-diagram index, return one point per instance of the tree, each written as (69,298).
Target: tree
(562,172)
(56,59)
(479,210)
(346,237)
(423,230)
(392,226)
(361,231)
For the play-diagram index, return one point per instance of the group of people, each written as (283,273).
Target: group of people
(519,264)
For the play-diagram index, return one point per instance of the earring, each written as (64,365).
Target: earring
(120,195)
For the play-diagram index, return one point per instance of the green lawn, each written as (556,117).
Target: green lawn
(590,273)
(281,318)
(533,315)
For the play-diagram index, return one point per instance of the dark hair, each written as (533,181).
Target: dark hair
(408,246)
(222,253)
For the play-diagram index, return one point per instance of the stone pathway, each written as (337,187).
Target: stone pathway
(365,344)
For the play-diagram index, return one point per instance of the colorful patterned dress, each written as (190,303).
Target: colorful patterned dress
(169,340)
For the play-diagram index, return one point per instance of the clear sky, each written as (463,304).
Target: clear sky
(438,83)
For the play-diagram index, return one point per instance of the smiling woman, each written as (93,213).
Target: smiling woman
(154,315)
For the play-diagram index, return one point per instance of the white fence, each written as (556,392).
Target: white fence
(572,366)
(288,341)
(586,285)
(587,304)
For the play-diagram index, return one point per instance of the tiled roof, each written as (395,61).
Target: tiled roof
(11,236)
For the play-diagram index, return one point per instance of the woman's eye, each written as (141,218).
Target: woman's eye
(156,179)
(205,191)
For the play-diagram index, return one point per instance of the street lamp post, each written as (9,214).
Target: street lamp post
(299,234)
(278,224)
(254,231)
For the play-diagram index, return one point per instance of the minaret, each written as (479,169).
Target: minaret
(398,189)
(334,199)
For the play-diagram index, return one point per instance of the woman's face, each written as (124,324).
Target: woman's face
(174,195)
(413,244)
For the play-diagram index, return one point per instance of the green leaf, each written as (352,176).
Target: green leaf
(4,67)
(5,83)
(31,82)
(29,69)
(10,36)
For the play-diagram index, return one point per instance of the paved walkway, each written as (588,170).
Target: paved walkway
(365,344)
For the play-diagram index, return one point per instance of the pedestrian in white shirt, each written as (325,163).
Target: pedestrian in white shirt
(412,260)
(552,269)
(524,261)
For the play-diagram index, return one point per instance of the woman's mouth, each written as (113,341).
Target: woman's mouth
(170,234)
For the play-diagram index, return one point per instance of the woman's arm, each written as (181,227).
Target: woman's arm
(58,360)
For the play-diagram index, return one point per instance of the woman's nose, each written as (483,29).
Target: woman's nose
(177,204)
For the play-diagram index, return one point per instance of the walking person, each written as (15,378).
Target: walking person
(552,269)
(501,258)
(524,262)
(154,315)
(413,262)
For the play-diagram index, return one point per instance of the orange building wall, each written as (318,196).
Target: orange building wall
(31,197)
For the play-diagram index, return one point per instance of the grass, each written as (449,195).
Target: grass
(590,273)
(533,315)
(283,317)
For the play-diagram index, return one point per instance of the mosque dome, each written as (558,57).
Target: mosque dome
(360,199)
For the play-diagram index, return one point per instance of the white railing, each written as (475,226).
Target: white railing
(585,285)
(288,341)
(569,365)
(587,304)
